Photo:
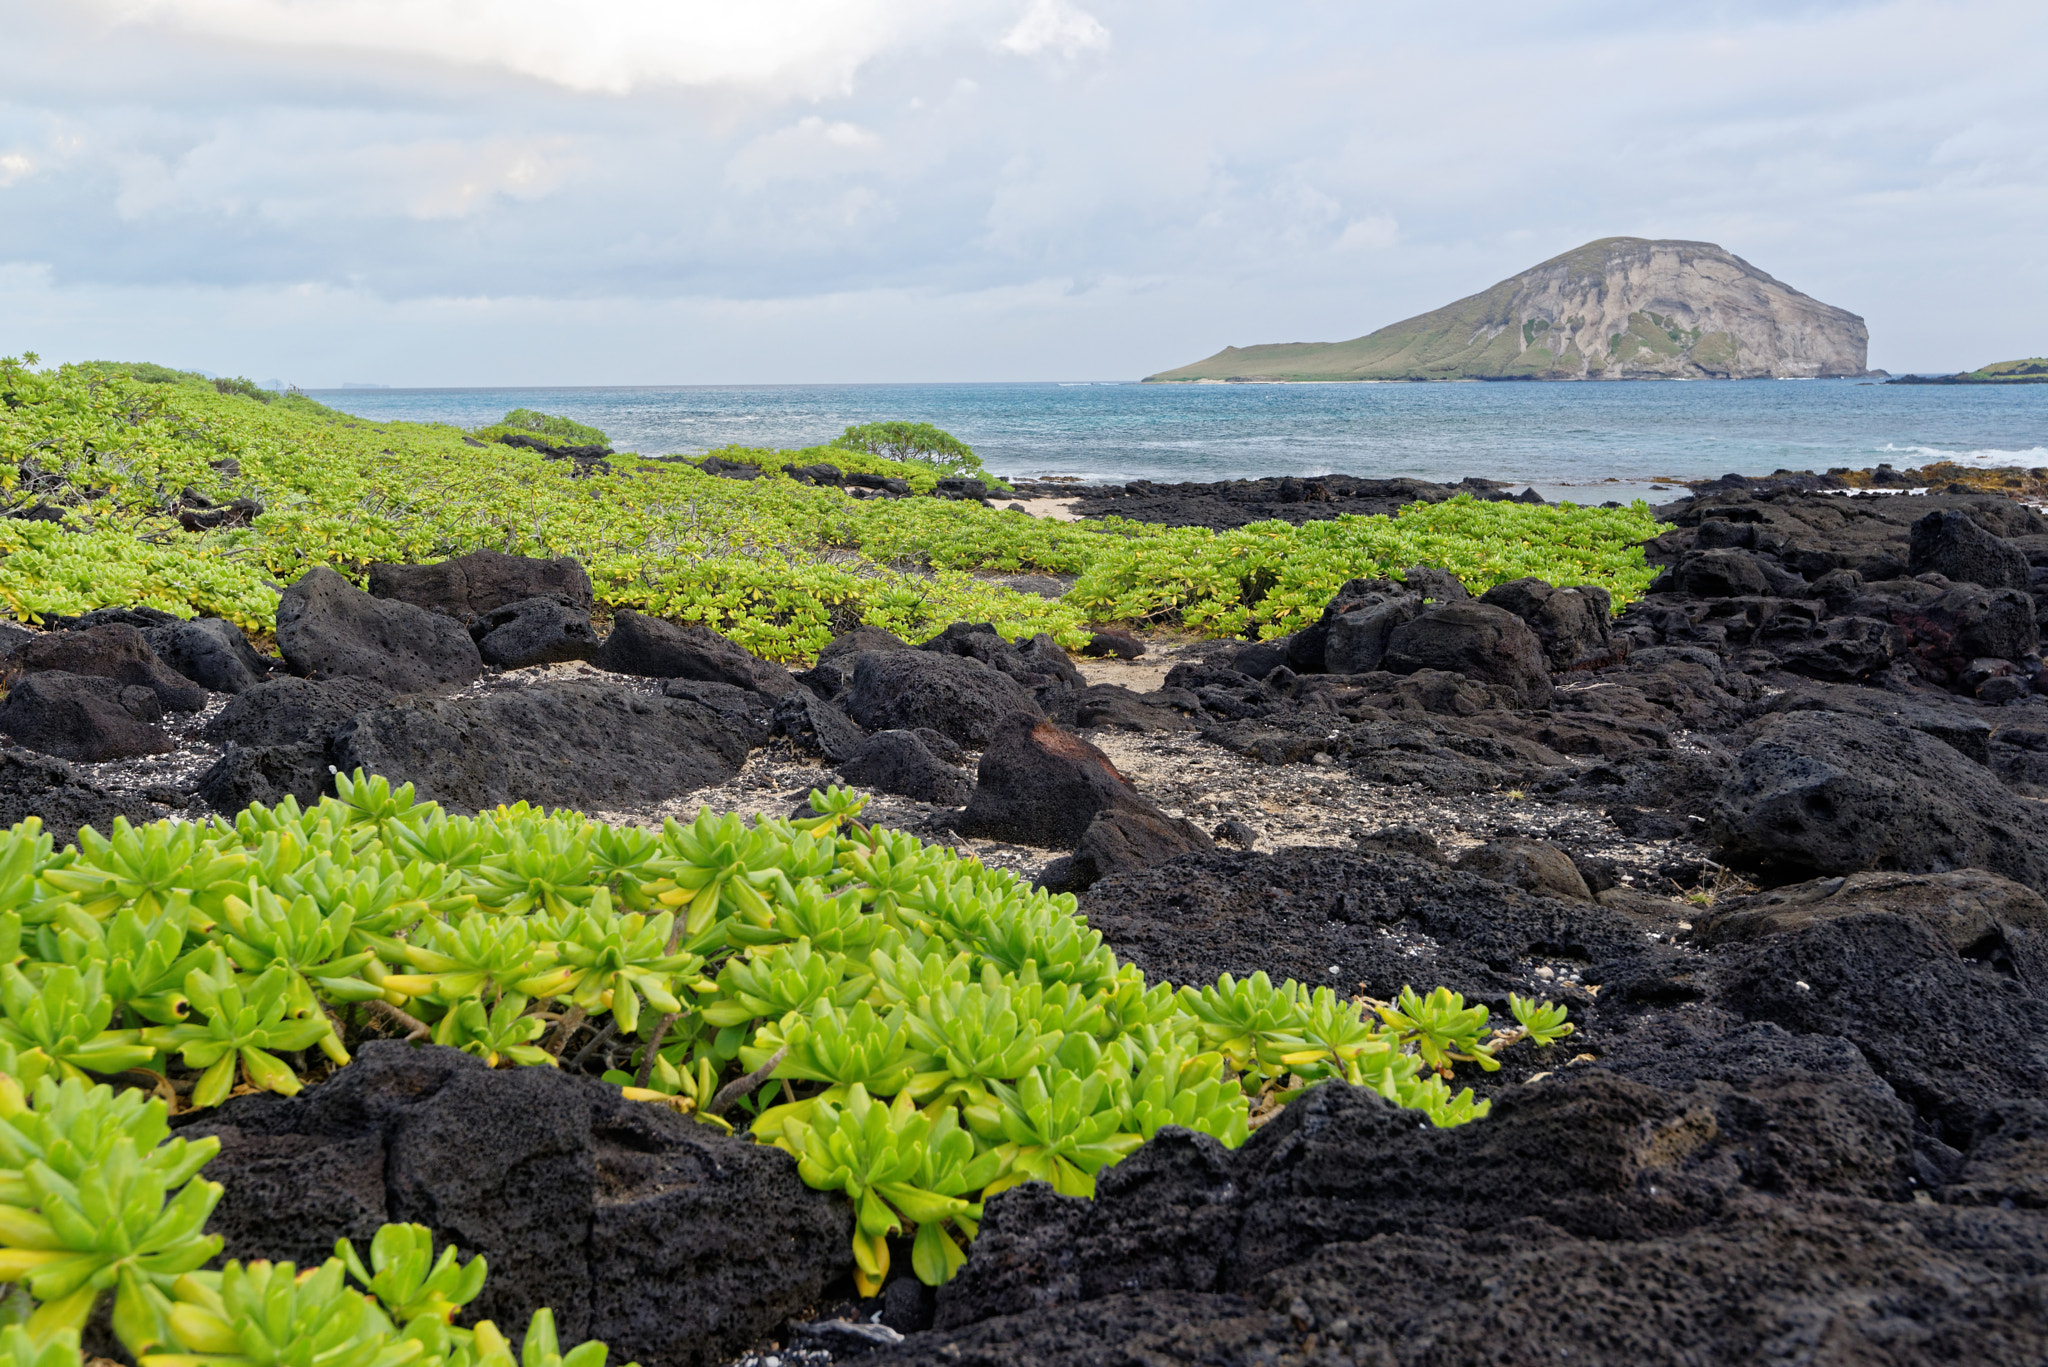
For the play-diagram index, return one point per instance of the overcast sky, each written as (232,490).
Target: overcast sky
(441,192)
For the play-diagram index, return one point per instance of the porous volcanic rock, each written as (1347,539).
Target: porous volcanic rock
(957,696)
(1128,839)
(86,718)
(1953,1038)
(1040,784)
(1982,916)
(745,713)
(209,651)
(484,581)
(1721,573)
(1948,542)
(279,739)
(1477,640)
(328,628)
(1382,920)
(1705,1224)
(114,651)
(62,798)
(817,727)
(677,1245)
(1828,793)
(900,762)
(267,774)
(658,649)
(1533,865)
(1355,638)
(1117,708)
(1572,623)
(849,644)
(290,711)
(535,631)
(589,746)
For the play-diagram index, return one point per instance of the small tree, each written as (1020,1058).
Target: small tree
(553,427)
(912,441)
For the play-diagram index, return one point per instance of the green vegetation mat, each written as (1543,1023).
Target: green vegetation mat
(918,1030)
(113,452)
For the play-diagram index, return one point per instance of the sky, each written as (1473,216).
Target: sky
(504,192)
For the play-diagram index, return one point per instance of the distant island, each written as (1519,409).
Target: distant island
(1621,308)
(2032,370)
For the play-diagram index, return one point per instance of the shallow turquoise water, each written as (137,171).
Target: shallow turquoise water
(1559,437)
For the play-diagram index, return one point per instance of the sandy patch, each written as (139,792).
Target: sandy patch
(1058,509)
(1142,675)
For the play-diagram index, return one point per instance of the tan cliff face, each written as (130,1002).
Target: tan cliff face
(1618,308)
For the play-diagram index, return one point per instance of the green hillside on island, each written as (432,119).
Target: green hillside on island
(1616,308)
(2030,370)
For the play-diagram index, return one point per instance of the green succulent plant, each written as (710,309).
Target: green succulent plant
(1442,1028)
(144,866)
(900,1168)
(499,1034)
(1062,1128)
(66,1016)
(407,1279)
(775,969)
(93,1198)
(540,1348)
(1543,1023)
(245,1022)
(20,1348)
(262,1314)
(615,961)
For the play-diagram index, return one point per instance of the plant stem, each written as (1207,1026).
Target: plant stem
(733,1091)
(564,1030)
(610,1030)
(416,1029)
(653,1048)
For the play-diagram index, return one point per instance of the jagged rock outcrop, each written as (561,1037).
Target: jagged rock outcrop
(1621,308)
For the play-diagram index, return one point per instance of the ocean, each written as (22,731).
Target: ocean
(1586,442)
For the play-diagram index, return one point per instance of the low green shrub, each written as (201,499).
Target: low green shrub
(917,1030)
(917,443)
(551,427)
(1271,578)
(778,566)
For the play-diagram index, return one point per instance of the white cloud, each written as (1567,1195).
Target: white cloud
(1054,26)
(1265,179)
(1374,233)
(810,149)
(289,175)
(805,48)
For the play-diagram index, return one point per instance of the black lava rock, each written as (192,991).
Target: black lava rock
(483,581)
(535,631)
(328,628)
(83,718)
(658,649)
(956,696)
(585,746)
(211,652)
(675,1244)
(899,762)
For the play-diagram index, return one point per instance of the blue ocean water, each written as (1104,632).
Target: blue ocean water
(1583,441)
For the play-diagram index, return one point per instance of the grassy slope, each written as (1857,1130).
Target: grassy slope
(2032,367)
(1473,338)
(778,566)
(1437,345)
